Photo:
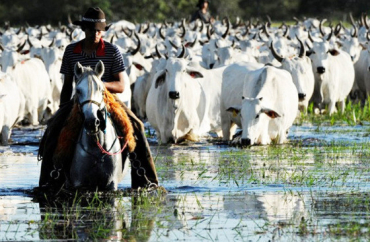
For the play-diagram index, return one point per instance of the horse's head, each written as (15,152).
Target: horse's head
(90,96)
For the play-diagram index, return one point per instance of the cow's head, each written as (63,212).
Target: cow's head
(320,53)
(255,117)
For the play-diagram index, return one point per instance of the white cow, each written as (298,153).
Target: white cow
(32,79)
(173,103)
(11,106)
(142,87)
(264,105)
(362,70)
(300,68)
(334,75)
(181,102)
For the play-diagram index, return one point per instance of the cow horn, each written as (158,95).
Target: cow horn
(29,41)
(140,28)
(111,39)
(296,20)
(2,47)
(125,30)
(268,20)
(320,27)
(265,29)
(368,36)
(302,49)
(227,28)
(277,57)
(365,20)
(329,36)
(337,29)
(157,52)
(201,26)
(351,18)
(138,45)
(209,32)
(52,43)
(147,28)
(193,43)
(183,32)
(310,36)
(286,31)
(20,30)
(354,31)
(182,54)
(173,45)
(20,48)
(160,32)
(40,37)
(195,25)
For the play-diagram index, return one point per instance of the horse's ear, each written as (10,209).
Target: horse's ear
(78,69)
(99,69)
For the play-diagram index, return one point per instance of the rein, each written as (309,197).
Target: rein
(109,153)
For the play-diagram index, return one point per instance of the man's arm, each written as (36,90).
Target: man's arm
(117,84)
(67,88)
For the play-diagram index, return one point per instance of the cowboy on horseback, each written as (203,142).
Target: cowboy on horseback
(88,52)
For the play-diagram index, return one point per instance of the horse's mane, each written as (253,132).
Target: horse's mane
(69,134)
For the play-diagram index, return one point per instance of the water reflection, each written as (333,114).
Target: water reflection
(304,189)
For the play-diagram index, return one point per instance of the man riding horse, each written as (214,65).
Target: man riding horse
(88,52)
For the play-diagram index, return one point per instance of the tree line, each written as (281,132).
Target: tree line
(38,12)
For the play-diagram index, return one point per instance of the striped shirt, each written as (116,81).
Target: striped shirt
(106,52)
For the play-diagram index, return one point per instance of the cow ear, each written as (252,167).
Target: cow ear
(160,80)
(99,69)
(334,52)
(195,74)
(269,112)
(235,110)
(78,69)
(364,47)
(309,52)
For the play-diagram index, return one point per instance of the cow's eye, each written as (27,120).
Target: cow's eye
(257,116)
(139,67)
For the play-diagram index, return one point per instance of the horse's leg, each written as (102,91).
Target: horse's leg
(142,153)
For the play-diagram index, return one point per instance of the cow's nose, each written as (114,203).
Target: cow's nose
(301,96)
(320,70)
(211,66)
(174,95)
(246,142)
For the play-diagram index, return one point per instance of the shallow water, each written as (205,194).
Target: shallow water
(314,188)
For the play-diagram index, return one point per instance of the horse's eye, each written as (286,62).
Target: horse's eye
(78,91)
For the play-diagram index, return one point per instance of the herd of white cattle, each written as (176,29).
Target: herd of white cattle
(189,79)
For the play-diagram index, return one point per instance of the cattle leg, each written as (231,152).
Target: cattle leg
(341,106)
(5,135)
(331,108)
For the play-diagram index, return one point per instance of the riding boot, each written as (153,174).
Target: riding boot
(51,176)
(143,172)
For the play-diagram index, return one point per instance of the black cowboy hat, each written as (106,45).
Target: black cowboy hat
(94,18)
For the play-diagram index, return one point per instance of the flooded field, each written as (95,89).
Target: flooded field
(315,188)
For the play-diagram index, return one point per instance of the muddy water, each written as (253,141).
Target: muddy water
(314,188)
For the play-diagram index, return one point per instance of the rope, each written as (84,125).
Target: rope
(109,153)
